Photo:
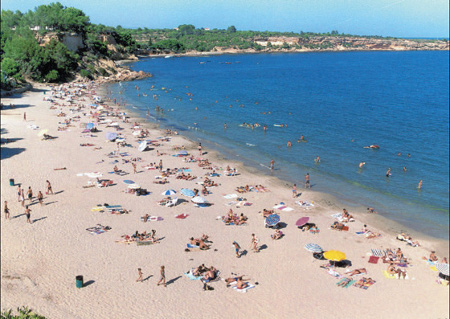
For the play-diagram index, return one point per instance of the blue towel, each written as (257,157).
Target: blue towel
(192,246)
(191,276)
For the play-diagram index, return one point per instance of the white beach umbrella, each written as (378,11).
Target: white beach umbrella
(199,200)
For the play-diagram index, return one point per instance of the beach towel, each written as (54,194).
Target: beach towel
(389,276)
(230,196)
(143,243)
(433,268)
(361,284)
(334,273)
(192,246)
(244,290)
(191,276)
(181,216)
(360,232)
(152,219)
(351,282)
(283,208)
(339,215)
(373,259)
(230,203)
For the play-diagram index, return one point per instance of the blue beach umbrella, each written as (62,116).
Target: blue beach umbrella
(272,220)
(90,126)
(169,192)
(187,192)
(314,248)
(127,181)
(111,136)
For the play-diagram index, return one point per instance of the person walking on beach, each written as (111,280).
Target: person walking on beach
(28,214)
(25,116)
(237,248)
(294,191)
(40,197)
(134,168)
(6,210)
(200,149)
(30,194)
(254,243)
(140,274)
(272,165)
(420,185)
(307,181)
(49,188)
(163,277)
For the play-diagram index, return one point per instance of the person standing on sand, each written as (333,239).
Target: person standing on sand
(6,210)
(420,185)
(163,276)
(19,193)
(134,168)
(28,214)
(307,181)
(22,198)
(294,191)
(49,188)
(254,243)
(200,149)
(30,194)
(140,278)
(25,116)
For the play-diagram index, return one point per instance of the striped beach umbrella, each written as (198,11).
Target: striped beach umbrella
(314,248)
(443,269)
(169,192)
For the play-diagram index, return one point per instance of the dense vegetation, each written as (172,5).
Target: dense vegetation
(22,56)
(23,313)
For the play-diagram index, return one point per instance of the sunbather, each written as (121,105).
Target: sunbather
(358,271)
(344,282)
(278,234)
(241,284)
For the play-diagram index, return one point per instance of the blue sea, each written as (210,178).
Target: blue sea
(339,101)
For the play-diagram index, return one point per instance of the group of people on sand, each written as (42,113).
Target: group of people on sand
(144,236)
(233,219)
(201,242)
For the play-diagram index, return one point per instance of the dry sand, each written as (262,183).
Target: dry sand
(39,262)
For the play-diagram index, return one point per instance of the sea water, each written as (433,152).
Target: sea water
(339,101)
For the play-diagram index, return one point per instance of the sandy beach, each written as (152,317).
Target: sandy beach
(40,261)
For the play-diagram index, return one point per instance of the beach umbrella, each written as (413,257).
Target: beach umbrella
(302,221)
(42,132)
(443,268)
(187,192)
(90,126)
(169,192)
(134,186)
(111,136)
(199,200)
(334,255)
(183,153)
(314,248)
(142,146)
(94,174)
(127,181)
(272,219)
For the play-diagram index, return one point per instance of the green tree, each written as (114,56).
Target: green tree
(231,29)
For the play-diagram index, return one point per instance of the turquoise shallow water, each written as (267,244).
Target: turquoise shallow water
(340,102)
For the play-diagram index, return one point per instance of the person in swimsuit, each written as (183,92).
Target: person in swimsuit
(163,277)
(30,194)
(6,210)
(40,197)
(140,274)
(49,188)
(28,214)
(388,173)
(294,191)
(237,247)
(19,193)
(307,181)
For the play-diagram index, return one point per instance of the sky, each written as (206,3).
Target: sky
(397,18)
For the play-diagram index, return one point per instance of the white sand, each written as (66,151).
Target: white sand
(39,262)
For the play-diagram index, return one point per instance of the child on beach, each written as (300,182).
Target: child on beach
(163,277)
(140,278)
(254,243)
(294,191)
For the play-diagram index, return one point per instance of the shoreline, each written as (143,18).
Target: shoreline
(379,222)
(40,261)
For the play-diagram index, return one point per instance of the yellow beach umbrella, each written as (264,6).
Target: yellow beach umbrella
(42,132)
(334,255)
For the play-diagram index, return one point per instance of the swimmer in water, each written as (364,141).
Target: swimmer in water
(272,165)
(399,154)
(317,160)
(362,164)
(404,168)
(388,173)
(409,155)
(420,185)
(289,144)
(225,126)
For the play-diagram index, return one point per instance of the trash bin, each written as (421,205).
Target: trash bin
(11,182)
(79,281)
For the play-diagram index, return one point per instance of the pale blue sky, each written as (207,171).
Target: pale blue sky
(401,18)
